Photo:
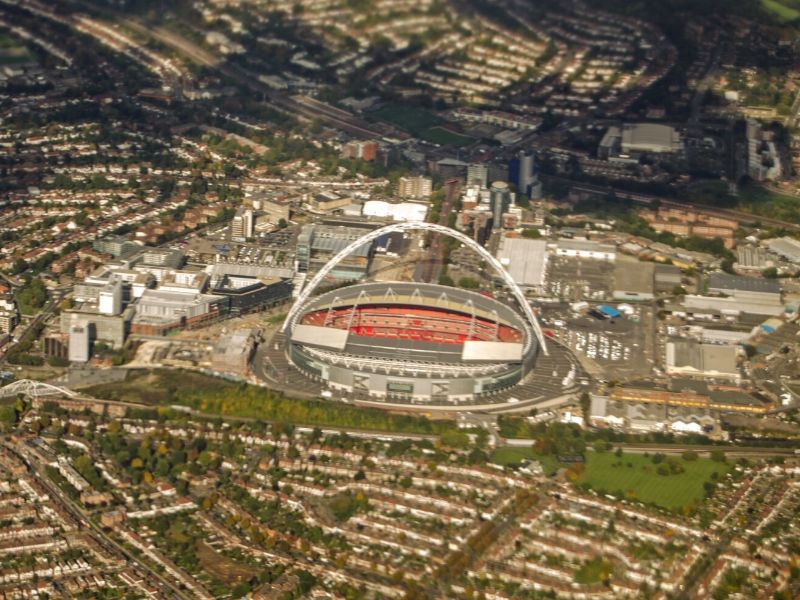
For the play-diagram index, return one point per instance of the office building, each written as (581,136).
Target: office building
(522,173)
(242,224)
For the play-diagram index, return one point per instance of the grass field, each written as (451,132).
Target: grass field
(421,123)
(785,10)
(158,387)
(640,481)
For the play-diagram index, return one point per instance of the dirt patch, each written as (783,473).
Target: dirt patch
(221,567)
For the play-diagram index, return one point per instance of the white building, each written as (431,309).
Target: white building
(586,249)
(79,343)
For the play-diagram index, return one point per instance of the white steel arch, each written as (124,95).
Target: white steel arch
(309,288)
(34,389)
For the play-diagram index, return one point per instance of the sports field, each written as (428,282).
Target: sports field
(421,123)
(636,476)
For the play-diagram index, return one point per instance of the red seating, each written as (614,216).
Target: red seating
(414,323)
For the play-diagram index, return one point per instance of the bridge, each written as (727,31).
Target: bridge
(34,389)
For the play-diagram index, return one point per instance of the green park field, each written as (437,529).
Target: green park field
(635,476)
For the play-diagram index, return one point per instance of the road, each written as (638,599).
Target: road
(430,270)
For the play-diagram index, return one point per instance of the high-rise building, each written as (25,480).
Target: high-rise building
(500,200)
(415,187)
(478,174)
(109,299)
(522,173)
(9,315)
(242,224)
(79,343)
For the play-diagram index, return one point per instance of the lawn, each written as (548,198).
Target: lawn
(607,473)
(782,9)
(511,456)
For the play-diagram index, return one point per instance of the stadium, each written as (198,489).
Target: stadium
(415,344)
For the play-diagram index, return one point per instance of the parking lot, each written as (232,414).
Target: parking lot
(619,348)
(579,279)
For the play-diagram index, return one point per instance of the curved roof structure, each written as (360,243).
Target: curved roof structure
(531,324)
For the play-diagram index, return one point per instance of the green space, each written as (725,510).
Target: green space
(785,10)
(421,123)
(650,480)
(512,456)
(32,297)
(762,201)
(216,396)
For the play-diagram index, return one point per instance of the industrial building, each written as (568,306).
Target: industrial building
(785,247)
(526,262)
(586,249)
(632,140)
(692,358)
(634,281)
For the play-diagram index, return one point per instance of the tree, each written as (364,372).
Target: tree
(770,273)
(718,456)
(689,455)
(531,234)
